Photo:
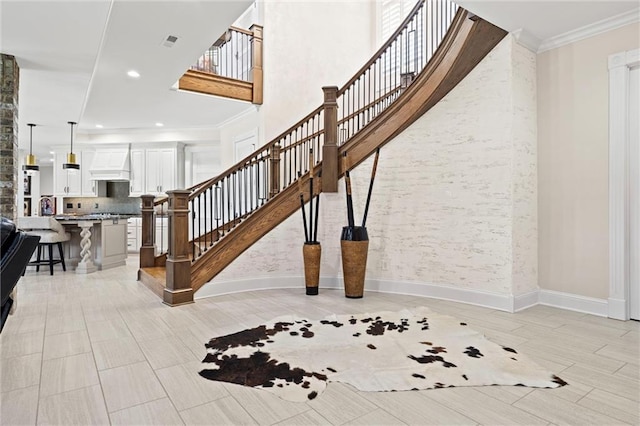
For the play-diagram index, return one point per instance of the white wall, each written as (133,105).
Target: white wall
(231,131)
(573,169)
(46,180)
(454,202)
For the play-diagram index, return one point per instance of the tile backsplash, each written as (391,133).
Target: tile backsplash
(117,201)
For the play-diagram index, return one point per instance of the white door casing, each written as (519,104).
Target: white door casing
(634,187)
(620,164)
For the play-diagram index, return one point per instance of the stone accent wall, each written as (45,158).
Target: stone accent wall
(455,197)
(9,83)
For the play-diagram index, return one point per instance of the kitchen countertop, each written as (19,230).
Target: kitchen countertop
(102,235)
(94,216)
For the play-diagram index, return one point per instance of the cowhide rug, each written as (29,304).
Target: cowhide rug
(389,351)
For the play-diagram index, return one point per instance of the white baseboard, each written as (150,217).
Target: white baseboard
(262,283)
(464,295)
(526,300)
(574,302)
(618,309)
(456,294)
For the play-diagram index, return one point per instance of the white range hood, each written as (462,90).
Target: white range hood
(111,164)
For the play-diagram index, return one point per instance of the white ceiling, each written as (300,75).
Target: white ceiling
(74,56)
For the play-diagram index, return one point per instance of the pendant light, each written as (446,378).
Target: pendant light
(71,157)
(30,164)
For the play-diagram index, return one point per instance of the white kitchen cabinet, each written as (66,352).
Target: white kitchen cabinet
(156,170)
(88,187)
(137,176)
(161,170)
(66,182)
(72,182)
(134,234)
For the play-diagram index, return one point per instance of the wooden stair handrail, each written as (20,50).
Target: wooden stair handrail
(268,147)
(442,74)
(199,189)
(302,121)
(467,40)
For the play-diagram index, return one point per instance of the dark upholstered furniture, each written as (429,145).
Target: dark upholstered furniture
(15,252)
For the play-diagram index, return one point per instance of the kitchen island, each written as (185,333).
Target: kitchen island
(98,241)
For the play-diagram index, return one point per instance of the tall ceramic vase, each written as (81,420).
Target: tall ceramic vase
(354,243)
(311,255)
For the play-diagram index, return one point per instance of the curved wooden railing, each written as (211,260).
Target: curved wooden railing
(261,189)
(393,67)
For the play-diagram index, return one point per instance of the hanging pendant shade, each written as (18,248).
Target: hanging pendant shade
(71,157)
(30,163)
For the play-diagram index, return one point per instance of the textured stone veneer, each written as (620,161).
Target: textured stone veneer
(9,83)
(454,203)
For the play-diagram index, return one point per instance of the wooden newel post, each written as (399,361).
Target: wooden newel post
(330,148)
(148,248)
(256,70)
(274,166)
(178,290)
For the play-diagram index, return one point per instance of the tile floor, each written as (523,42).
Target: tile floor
(102,349)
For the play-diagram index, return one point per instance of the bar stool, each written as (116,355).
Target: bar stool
(51,233)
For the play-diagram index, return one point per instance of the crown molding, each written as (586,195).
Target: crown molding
(526,39)
(590,30)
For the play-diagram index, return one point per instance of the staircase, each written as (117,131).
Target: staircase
(212,223)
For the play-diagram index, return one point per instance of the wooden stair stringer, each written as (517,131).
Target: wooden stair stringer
(471,41)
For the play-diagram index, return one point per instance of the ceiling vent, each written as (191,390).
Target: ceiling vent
(169,41)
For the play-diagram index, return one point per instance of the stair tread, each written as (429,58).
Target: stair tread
(156,271)
(153,278)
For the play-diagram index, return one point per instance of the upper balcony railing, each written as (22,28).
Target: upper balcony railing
(231,67)
(230,56)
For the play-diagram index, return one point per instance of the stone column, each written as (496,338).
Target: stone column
(9,79)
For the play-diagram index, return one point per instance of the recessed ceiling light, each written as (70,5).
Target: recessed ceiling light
(99,126)
(51,152)
(51,159)
(133,74)
(159,124)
